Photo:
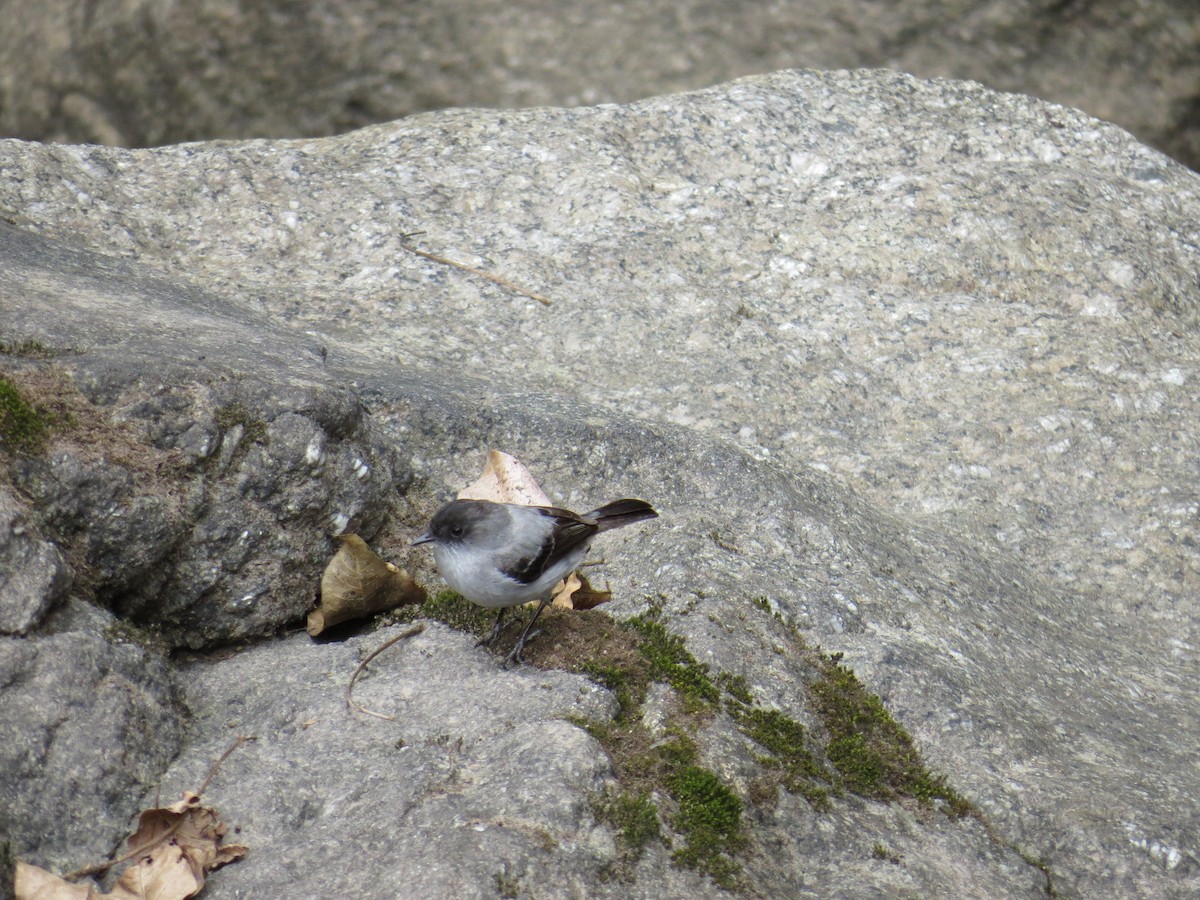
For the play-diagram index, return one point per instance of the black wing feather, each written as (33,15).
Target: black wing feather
(569,531)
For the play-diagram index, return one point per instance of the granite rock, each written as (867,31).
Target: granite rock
(903,365)
(145,72)
(88,718)
(34,574)
(208,511)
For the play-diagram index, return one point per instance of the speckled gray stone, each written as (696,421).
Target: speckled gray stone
(142,72)
(477,775)
(88,719)
(911,362)
(33,573)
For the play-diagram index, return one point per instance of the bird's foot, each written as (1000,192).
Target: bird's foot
(495,633)
(515,656)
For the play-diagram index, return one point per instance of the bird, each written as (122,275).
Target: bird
(500,555)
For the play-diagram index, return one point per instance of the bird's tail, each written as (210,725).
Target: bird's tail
(622,512)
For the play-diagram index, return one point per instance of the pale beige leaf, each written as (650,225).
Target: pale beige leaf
(563,591)
(172,849)
(168,872)
(171,852)
(505,480)
(33,883)
(357,583)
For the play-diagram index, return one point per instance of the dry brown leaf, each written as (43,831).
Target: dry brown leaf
(172,850)
(505,480)
(584,596)
(357,583)
(175,846)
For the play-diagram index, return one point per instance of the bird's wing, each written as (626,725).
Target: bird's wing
(568,531)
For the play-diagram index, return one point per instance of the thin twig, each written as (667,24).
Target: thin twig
(488,275)
(415,630)
(212,771)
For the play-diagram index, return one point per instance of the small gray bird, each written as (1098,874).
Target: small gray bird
(501,555)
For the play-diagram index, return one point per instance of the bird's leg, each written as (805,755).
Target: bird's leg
(483,642)
(515,655)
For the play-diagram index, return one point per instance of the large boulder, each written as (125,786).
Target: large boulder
(902,364)
(146,72)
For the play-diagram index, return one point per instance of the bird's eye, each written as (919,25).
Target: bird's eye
(457,531)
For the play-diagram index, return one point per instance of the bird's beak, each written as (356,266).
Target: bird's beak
(423,539)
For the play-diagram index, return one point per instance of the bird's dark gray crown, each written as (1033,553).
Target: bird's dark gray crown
(460,520)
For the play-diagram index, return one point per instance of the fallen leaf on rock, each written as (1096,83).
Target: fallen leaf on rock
(357,583)
(506,480)
(172,850)
(34,883)
(583,595)
(564,592)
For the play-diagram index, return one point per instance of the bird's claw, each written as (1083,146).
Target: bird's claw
(516,655)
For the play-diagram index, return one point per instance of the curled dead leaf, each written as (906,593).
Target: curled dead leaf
(172,850)
(505,480)
(584,596)
(357,583)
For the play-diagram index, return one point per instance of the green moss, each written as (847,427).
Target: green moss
(871,751)
(786,744)
(664,793)
(451,608)
(31,349)
(634,817)
(627,683)
(884,852)
(736,687)
(703,812)
(709,819)
(1040,865)
(679,750)
(671,663)
(23,429)
(507,886)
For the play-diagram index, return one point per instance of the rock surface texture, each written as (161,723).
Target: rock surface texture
(907,367)
(146,72)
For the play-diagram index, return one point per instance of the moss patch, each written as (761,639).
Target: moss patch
(23,428)
(871,751)
(665,794)
(452,609)
(671,663)
(884,852)
(29,349)
(710,818)
(634,816)
(788,759)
